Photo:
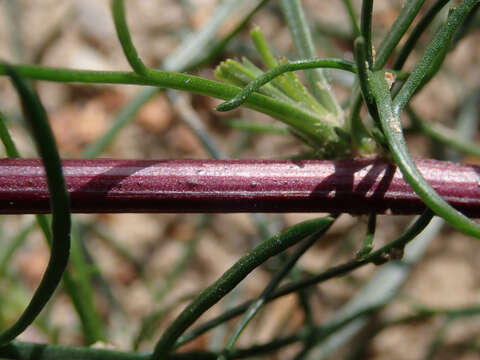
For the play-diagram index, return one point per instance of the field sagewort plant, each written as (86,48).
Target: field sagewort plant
(312,114)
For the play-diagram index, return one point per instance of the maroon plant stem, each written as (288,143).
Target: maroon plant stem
(223,186)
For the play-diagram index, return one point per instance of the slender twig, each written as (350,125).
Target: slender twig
(255,307)
(317,83)
(369,237)
(172,63)
(398,29)
(385,49)
(417,31)
(435,49)
(118,11)
(360,51)
(352,14)
(78,293)
(37,119)
(302,120)
(232,277)
(7,141)
(415,229)
(393,132)
(366,29)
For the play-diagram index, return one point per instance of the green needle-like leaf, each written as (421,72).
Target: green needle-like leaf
(366,29)
(37,119)
(393,132)
(232,277)
(118,11)
(433,55)
(254,85)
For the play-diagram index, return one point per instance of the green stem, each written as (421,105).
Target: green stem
(272,285)
(436,49)
(317,83)
(299,119)
(415,229)
(29,351)
(385,49)
(232,277)
(393,132)
(256,84)
(368,241)
(118,12)
(7,141)
(366,29)
(417,31)
(125,116)
(262,47)
(37,119)
(353,17)
(396,32)
(85,309)
(363,75)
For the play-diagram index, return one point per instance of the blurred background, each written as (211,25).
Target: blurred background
(144,264)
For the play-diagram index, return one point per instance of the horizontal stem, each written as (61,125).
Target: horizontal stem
(360,186)
(303,121)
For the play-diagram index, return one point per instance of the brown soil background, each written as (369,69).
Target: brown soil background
(84,37)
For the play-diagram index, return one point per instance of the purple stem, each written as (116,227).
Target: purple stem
(358,186)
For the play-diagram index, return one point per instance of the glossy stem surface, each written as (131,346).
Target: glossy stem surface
(358,186)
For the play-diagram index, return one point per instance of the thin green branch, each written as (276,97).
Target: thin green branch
(385,49)
(7,141)
(434,51)
(417,31)
(367,246)
(352,14)
(396,32)
(263,49)
(317,83)
(254,85)
(364,75)
(118,12)
(427,312)
(287,84)
(232,277)
(393,132)
(37,119)
(270,288)
(303,121)
(366,29)
(85,309)
(125,116)
(28,351)
(384,252)
(360,135)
